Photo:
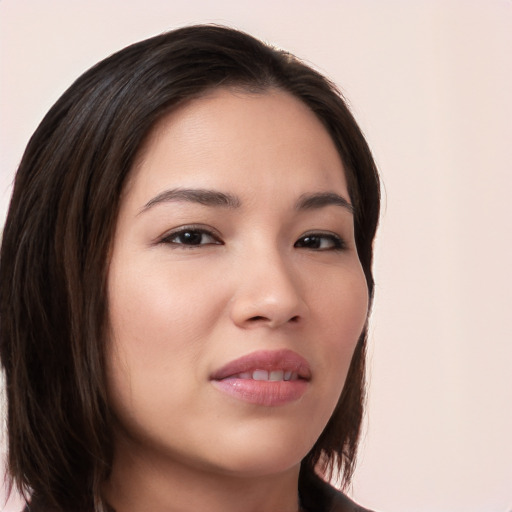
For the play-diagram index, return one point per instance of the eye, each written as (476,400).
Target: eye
(191,237)
(321,242)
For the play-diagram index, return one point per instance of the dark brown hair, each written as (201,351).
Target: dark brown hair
(55,250)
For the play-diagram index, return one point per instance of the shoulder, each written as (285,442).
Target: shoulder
(318,496)
(342,503)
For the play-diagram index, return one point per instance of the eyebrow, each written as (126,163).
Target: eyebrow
(322,199)
(193,195)
(208,197)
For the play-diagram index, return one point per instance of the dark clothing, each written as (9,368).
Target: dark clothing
(318,496)
(315,496)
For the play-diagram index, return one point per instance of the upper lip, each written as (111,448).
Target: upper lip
(269,360)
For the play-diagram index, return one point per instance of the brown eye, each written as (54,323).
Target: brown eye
(320,242)
(191,238)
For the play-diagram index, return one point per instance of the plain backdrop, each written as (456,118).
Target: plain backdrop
(430,82)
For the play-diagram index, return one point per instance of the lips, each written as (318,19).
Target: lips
(267,378)
(266,360)
(272,375)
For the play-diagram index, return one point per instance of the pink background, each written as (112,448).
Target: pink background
(430,83)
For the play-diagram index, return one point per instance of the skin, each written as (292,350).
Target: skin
(250,280)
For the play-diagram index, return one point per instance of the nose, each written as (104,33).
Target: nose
(267,293)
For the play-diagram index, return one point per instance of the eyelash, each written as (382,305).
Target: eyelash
(335,242)
(190,230)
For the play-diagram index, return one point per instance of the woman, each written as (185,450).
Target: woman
(185,284)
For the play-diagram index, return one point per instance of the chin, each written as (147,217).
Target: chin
(264,453)
(273,463)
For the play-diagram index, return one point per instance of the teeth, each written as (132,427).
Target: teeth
(260,375)
(274,375)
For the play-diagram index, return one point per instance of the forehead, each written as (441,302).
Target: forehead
(231,137)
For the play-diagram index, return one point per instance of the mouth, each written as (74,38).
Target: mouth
(268,378)
(272,375)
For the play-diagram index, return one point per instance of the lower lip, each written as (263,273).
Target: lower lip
(263,392)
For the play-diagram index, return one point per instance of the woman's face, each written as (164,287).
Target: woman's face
(236,295)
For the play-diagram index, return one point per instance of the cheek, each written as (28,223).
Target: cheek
(156,338)
(151,314)
(341,316)
(340,304)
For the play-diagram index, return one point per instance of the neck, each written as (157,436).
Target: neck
(140,483)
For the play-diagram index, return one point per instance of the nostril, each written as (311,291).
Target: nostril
(257,318)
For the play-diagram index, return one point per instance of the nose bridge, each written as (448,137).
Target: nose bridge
(268,290)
